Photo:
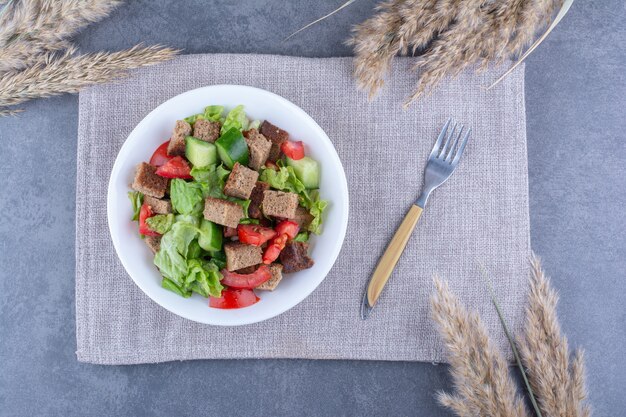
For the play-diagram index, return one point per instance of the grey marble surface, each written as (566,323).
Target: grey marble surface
(576,101)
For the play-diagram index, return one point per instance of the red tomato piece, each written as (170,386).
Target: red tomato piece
(230,231)
(234,298)
(144,213)
(160,156)
(293,150)
(177,167)
(253,234)
(246,281)
(287,227)
(274,248)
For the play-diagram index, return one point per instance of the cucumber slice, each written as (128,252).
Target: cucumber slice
(232,147)
(307,170)
(210,238)
(200,153)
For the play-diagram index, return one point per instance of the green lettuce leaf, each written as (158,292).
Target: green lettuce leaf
(194,251)
(203,278)
(255,124)
(213,113)
(211,180)
(245,204)
(136,199)
(192,219)
(248,220)
(192,119)
(310,200)
(171,258)
(284,179)
(171,285)
(317,209)
(301,237)
(201,174)
(218,258)
(161,223)
(235,118)
(186,197)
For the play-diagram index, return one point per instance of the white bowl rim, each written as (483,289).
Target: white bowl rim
(342,182)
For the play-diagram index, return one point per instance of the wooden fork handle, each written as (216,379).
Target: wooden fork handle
(388,261)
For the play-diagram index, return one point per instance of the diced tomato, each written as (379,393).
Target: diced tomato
(160,156)
(234,298)
(253,234)
(230,231)
(271,254)
(288,228)
(274,248)
(293,150)
(246,281)
(271,165)
(177,167)
(144,213)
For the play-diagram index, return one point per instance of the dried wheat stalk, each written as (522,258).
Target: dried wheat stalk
(558,384)
(375,43)
(399,26)
(479,370)
(29,28)
(481,378)
(10,112)
(455,34)
(55,74)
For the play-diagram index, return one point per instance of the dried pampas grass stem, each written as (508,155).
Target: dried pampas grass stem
(450,34)
(55,74)
(29,28)
(509,337)
(558,384)
(482,381)
(479,370)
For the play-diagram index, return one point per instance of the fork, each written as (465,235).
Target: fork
(442,161)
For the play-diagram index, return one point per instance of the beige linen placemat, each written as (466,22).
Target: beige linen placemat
(479,215)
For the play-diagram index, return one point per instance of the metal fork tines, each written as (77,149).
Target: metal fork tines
(443,159)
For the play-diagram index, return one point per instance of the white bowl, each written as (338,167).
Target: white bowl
(156,128)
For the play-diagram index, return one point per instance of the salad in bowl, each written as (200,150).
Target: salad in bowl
(227,205)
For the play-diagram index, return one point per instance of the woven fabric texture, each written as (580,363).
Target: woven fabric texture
(480,216)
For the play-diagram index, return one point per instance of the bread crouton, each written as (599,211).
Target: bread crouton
(277,275)
(153,242)
(279,204)
(240,182)
(206,130)
(223,212)
(247,270)
(240,255)
(259,148)
(148,182)
(256,199)
(177,141)
(276,135)
(303,218)
(295,257)
(158,206)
